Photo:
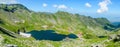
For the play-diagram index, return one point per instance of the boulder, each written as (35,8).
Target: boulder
(97,45)
(115,37)
(11,45)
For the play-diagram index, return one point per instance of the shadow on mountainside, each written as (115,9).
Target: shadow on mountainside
(50,35)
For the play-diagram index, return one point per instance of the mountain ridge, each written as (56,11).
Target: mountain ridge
(61,16)
(85,29)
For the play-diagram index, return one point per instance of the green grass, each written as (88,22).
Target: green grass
(61,22)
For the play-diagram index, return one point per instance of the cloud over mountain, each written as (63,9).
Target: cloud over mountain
(88,5)
(103,6)
(60,6)
(44,5)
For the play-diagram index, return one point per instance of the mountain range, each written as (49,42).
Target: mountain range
(16,16)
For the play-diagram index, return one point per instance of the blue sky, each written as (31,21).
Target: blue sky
(95,8)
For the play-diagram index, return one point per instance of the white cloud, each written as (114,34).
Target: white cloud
(55,5)
(64,8)
(8,2)
(88,5)
(103,6)
(60,6)
(44,5)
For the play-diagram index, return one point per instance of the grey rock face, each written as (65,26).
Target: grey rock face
(115,37)
(11,45)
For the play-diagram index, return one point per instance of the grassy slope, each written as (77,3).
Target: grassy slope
(61,22)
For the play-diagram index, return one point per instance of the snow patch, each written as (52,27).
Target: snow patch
(25,34)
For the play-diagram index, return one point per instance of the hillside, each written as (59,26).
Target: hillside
(16,16)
